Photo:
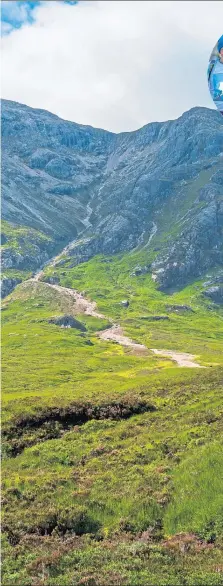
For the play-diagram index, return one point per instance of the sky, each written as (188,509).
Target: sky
(113,64)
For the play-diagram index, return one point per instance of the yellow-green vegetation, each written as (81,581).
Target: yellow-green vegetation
(112,460)
(21,238)
(20,248)
(21,275)
(198,504)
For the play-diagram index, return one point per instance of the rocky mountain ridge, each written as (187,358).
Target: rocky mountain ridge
(158,188)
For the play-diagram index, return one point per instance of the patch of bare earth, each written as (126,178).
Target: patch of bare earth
(115,334)
(182,358)
(82,305)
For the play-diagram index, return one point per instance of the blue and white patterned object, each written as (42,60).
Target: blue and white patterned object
(215,78)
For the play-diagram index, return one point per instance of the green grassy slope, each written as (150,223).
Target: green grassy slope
(111,459)
(21,238)
(20,247)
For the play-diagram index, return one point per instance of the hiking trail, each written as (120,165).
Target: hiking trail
(115,332)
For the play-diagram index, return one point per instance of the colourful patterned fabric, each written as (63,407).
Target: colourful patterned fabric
(215,81)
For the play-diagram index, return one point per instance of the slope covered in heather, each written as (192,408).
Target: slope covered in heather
(99,439)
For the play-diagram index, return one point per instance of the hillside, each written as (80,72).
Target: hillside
(159,188)
(112,353)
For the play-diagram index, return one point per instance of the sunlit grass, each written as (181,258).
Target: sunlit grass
(111,479)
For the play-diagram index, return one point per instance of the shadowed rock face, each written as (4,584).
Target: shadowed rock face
(51,280)
(108,193)
(215,293)
(3,239)
(179,308)
(67,321)
(197,249)
(11,258)
(7,285)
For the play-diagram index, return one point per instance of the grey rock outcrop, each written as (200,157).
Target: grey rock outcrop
(51,280)
(197,248)
(215,294)
(137,271)
(67,321)
(106,193)
(179,308)
(11,258)
(8,284)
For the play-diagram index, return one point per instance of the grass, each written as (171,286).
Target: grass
(22,246)
(198,500)
(99,501)
(22,239)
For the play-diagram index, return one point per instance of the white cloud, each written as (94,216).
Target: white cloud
(115,65)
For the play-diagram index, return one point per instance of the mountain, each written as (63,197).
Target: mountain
(158,188)
(111,352)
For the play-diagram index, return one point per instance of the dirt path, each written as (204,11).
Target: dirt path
(115,334)
(87,307)
(37,277)
(182,358)
(82,305)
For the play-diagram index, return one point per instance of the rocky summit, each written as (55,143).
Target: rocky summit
(90,191)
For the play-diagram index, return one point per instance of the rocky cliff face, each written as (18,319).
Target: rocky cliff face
(7,285)
(23,249)
(159,188)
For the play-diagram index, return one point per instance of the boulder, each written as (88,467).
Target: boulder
(179,308)
(139,271)
(215,294)
(67,321)
(125,303)
(51,280)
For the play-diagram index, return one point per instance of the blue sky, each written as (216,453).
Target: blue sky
(112,64)
(14,14)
